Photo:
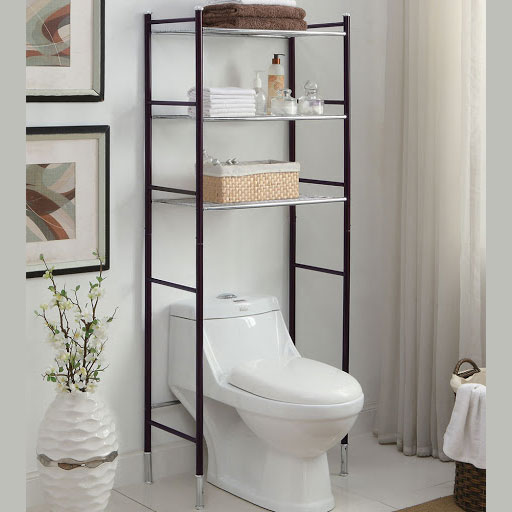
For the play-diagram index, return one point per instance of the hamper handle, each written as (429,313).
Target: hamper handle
(466,373)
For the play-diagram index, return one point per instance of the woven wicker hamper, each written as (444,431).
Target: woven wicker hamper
(251,181)
(470,482)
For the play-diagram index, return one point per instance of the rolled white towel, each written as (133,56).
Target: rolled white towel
(223,91)
(288,3)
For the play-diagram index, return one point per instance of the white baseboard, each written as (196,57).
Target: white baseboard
(169,460)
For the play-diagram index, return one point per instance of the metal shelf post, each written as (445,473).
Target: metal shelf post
(199,258)
(148,474)
(346,222)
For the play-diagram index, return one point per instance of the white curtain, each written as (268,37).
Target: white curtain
(436,135)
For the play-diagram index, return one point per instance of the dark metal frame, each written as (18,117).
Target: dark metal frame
(66,130)
(149,280)
(80,98)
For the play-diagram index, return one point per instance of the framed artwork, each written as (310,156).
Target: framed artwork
(67,198)
(65,50)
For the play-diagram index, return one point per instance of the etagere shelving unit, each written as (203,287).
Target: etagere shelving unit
(194,198)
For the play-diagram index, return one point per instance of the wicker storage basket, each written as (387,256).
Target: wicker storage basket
(251,181)
(470,481)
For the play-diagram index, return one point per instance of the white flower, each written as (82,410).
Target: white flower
(100,333)
(44,307)
(96,293)
(67,305)
(90,357)
(87,317)
(46,275)
(63,356)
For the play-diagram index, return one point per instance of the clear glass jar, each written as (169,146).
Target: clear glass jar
(284,104)
(311,103)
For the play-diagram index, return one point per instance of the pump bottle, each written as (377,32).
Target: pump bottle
(275,79)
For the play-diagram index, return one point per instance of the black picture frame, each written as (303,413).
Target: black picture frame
(83,130)
(80,98)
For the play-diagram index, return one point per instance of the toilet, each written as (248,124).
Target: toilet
(270,415)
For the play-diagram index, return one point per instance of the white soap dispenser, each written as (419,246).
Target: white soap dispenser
(261,99)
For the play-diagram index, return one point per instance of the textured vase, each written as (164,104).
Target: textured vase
(77,427)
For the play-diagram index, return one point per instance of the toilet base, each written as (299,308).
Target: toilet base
(264,501)
(243,465)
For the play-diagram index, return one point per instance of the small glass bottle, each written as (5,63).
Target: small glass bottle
(311,103)
(284,104)
(261,99)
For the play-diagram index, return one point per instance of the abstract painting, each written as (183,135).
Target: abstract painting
(50,202)
(65,50)
(67,198)
(48,33)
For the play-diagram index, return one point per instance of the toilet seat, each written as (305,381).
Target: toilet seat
(296,381)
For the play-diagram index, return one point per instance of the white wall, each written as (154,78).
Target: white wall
(245,251)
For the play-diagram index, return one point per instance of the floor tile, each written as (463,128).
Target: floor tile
(118,503)
(349,502)
(178,494)
(383,474)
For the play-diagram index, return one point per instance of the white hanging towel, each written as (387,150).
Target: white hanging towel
(288,3)
(464,440)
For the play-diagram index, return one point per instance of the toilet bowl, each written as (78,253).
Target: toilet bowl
(270,415)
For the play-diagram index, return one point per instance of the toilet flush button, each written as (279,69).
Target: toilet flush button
(225,296)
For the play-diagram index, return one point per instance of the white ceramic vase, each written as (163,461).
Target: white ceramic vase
(77,428)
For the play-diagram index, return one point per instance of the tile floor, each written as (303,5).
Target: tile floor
(381,480)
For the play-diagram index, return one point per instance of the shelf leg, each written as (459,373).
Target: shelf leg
(199,492)
(148,468)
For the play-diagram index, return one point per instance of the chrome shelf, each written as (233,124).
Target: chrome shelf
(253,204)
(254,118)
(238,32)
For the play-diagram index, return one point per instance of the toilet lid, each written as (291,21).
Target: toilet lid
(297,381)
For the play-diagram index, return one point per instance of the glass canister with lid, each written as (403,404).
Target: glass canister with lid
(311,103)
(284,104)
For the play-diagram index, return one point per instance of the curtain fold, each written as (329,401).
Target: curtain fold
(435,97)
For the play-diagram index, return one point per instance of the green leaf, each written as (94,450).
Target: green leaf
(53,379)
(77,287)
(47,378)
(51,288)
(96,374)
(61,370)
(41,257)
(36,312)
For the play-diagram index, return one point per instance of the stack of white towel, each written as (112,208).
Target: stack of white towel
(225,102)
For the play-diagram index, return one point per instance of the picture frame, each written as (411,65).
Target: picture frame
(74,69)
(68,199)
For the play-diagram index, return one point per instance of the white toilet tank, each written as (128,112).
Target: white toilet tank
(236,329)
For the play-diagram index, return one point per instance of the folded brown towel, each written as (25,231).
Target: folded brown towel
(253,23)
(254,11)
